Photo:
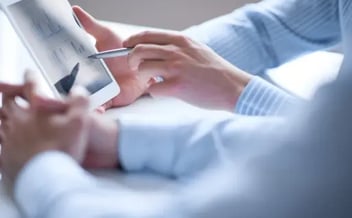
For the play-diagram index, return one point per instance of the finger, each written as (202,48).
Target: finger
(2,135)
(6,108)
(78,105)
(106,38)
(78,108)
(101,109)
(30,87)
(148,52)
(109,104)
(2,114)
(42,104)
(12,110)
(13,113)
(156,37)
(2,121)
(4,127)
(154,69)
(166,88)
(10,91)
(78,99)
(24,91)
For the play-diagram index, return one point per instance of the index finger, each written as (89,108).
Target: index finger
(156,37)
(10,91)
(24,91)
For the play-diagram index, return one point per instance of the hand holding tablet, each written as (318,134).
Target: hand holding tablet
(61,48)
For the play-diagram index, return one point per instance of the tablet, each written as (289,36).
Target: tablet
(60,47)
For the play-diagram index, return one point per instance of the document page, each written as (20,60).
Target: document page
(59,44)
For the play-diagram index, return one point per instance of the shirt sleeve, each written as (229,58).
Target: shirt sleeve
(181,148)
(261,36)
(53,185)
(261,98)
(46,178)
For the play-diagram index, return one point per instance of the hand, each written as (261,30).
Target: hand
(102,142)
(132,85)
(191,71)
(26,131)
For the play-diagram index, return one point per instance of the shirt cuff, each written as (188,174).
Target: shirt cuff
(141,139)
(48,176)
(260,98)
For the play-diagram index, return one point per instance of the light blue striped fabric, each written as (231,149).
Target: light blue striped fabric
(254,38)
(267,34)
(260,98)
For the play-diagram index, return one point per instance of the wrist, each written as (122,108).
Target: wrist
(239,80)
(103,143)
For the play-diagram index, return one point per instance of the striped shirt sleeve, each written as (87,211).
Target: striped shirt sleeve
(261,98)
(265,35)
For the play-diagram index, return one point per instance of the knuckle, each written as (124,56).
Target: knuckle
(182,39)
(138,49)
(145,35)
(174,66)
(173,52)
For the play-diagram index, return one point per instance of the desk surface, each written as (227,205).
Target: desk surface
(299,77)
(18,60)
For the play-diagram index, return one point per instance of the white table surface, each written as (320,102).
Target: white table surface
(301,77)
(17,60)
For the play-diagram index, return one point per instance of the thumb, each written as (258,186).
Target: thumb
(78,107)
(100,110)
(79,99)
(105,37)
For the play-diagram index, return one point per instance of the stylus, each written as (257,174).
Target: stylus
(111,53)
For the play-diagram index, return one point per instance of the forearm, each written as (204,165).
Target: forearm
(265,35)
(47,178)
(53,185)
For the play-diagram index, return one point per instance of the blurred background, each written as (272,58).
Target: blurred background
(175,15)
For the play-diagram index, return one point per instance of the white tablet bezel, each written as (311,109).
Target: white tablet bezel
(98,98)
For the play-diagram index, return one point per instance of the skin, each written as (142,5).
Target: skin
(26,131)
(40,126)
(191,71)
(131,84)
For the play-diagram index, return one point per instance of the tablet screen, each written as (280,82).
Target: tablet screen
(59,44)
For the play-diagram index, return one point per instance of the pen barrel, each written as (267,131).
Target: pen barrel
(113,53)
